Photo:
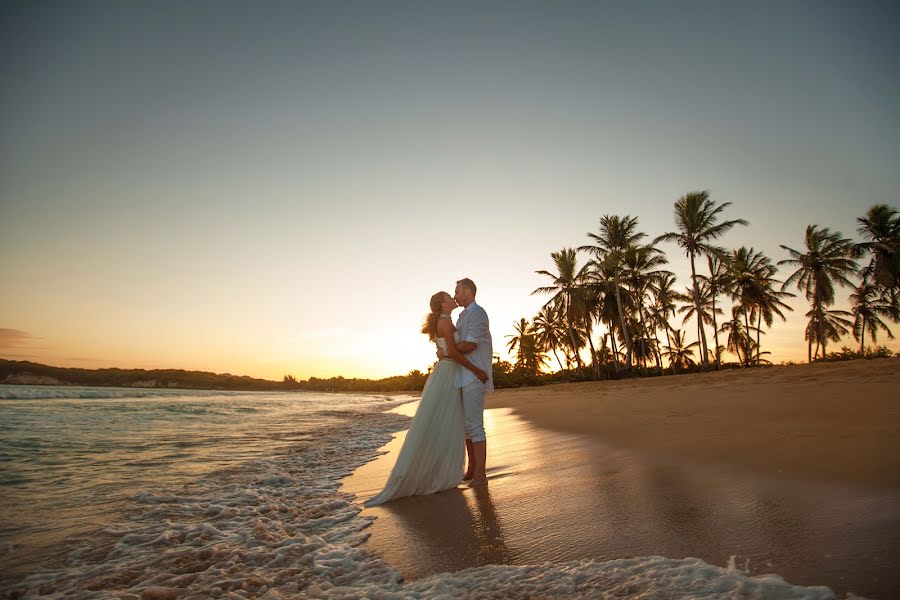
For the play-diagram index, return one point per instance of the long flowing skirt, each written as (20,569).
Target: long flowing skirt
(433,455)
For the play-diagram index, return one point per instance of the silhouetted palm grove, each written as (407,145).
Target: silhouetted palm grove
(614,298)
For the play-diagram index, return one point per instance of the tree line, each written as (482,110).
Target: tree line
(650,326)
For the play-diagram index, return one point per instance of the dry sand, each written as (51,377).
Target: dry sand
(828,422)
(793,470)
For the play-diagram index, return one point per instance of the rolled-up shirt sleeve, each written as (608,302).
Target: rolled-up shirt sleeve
(477,330)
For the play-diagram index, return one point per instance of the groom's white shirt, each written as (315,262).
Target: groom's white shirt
(473,326)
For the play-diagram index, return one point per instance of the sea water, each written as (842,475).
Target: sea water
(119,493)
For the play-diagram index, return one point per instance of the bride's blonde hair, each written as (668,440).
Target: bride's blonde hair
(429,327)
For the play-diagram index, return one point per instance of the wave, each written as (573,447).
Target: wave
(280,528)
(40,392)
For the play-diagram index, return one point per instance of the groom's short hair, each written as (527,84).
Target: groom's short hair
(468,284)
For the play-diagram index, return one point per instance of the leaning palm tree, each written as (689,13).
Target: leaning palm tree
(696,217)
(616,236)
(679,352)
(868,309)
(549,329)
(566,282)
(880,227)
(828,260)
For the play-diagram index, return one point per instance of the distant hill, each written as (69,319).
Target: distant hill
(29,373)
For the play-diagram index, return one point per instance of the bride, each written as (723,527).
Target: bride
(433,454)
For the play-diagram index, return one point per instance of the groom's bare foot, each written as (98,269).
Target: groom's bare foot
(478,482)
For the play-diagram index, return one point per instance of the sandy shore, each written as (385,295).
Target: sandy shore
(792,470)
(828,422)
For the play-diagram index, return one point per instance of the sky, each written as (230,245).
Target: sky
(267,188)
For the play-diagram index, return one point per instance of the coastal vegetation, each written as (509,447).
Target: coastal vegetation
(621,307)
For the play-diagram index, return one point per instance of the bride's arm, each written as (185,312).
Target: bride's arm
(445,330)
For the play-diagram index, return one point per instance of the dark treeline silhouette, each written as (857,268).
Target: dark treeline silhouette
(650,327)
(21,372)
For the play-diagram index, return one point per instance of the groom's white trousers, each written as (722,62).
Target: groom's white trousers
(473,406)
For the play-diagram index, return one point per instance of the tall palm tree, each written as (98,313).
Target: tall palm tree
(664,298)
(549,329)
(697,220)
(616,235)
(829,259)
(880,227)
(566,283)
(868,309)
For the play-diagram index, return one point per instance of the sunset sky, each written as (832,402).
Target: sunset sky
(265,188)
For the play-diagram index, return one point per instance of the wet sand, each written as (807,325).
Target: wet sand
(792,470)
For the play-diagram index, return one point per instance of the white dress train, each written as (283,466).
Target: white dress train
(433,455)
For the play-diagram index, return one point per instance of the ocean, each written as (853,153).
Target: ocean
(121,493)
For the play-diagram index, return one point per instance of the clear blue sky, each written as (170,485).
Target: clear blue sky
(276,187)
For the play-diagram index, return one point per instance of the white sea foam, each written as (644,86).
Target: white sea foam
(280,528)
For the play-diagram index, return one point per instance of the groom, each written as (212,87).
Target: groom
(475,335)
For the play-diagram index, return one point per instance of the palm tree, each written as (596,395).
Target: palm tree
(696,217)
(616,235)
(881,230)
(664,298)
(531,355)
(566,283)
(719,280)
(739,340)
(679,352)
(867,312)
(828,260)
(549,329)
(641,264)
(826,325)
(522,330)
(704,302)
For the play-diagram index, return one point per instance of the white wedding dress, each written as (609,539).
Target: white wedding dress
(433,455)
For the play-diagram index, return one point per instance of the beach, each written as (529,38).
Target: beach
(791,470)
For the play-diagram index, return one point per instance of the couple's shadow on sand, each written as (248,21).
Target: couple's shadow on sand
(452,530)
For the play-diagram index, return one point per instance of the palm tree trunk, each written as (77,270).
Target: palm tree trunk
(758,327)
(862,340)
(572,337)
(699,313)
(748,352)
(589,331)
(715,325)
(615,349)
(668,339)
(622,320)
(553,348)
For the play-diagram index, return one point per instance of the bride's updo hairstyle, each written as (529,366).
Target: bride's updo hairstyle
(429,327)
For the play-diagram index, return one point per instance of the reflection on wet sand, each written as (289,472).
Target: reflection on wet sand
(452,530)
(559,497)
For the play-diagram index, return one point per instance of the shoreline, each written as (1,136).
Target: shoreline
(612,470)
